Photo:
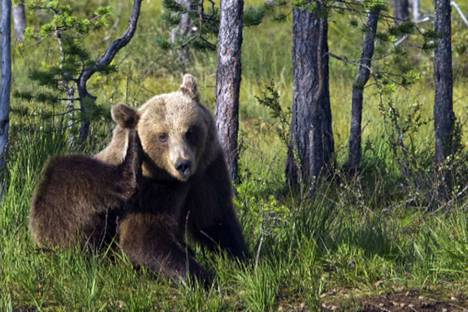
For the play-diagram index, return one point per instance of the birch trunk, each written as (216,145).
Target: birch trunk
(5,84)
(416,9)
(19,20)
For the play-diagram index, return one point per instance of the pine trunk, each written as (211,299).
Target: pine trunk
(354,157)
(5,84)
(228,78)
(443,105)
(311,149)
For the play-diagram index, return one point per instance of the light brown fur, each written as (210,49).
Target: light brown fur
(173,113)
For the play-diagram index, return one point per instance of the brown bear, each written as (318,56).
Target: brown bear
(185,188)
(78,195)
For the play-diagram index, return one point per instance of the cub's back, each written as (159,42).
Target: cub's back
(71,188)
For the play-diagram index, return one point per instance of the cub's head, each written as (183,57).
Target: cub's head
(177,133)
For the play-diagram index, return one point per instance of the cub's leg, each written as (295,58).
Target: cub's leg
(130,169)
(151,240)
(102,228)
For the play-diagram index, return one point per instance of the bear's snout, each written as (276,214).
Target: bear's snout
(181,159)
(184,167)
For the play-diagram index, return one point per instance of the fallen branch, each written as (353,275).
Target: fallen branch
(460,12)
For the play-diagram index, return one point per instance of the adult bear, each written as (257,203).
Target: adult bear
(185,185)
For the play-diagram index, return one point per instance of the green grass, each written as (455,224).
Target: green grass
(354,239)
(301,250)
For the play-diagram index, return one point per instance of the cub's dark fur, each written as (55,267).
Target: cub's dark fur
(78,195)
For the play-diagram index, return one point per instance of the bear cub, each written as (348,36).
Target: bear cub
(77,193)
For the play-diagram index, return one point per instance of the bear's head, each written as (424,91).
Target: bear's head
(177,133)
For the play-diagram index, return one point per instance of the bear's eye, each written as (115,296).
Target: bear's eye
(190,134)
(163,137)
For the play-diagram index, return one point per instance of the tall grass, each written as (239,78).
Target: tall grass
(301,250)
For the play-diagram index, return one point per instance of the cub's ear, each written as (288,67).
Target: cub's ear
(125,116)
(189,86)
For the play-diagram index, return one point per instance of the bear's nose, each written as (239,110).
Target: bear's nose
(183,166)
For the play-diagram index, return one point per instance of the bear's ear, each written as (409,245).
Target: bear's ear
(125,116)
(189,86)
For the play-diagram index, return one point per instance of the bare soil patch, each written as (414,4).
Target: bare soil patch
(405,301)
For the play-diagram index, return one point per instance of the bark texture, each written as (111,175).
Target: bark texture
(364,70)
(86,99)
(401,10)
(67,85)
(19,20)
(416,10)
(443,105)
(5,84)
(326,117)
(311,149)
(228,78)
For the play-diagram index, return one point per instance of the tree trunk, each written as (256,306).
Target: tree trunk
(69,91)
(354,157)
(228,78)
(311,149)
(19,20)
(5,84)
(416,10)
(401,10)
(443,105)
(182,31)
(328,142)
(86,99)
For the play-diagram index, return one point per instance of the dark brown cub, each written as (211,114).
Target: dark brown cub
(76,192)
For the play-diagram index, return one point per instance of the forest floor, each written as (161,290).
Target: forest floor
(404,301)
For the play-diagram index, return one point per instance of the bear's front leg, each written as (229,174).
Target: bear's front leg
(209,212)
(224,234)
(151,240)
